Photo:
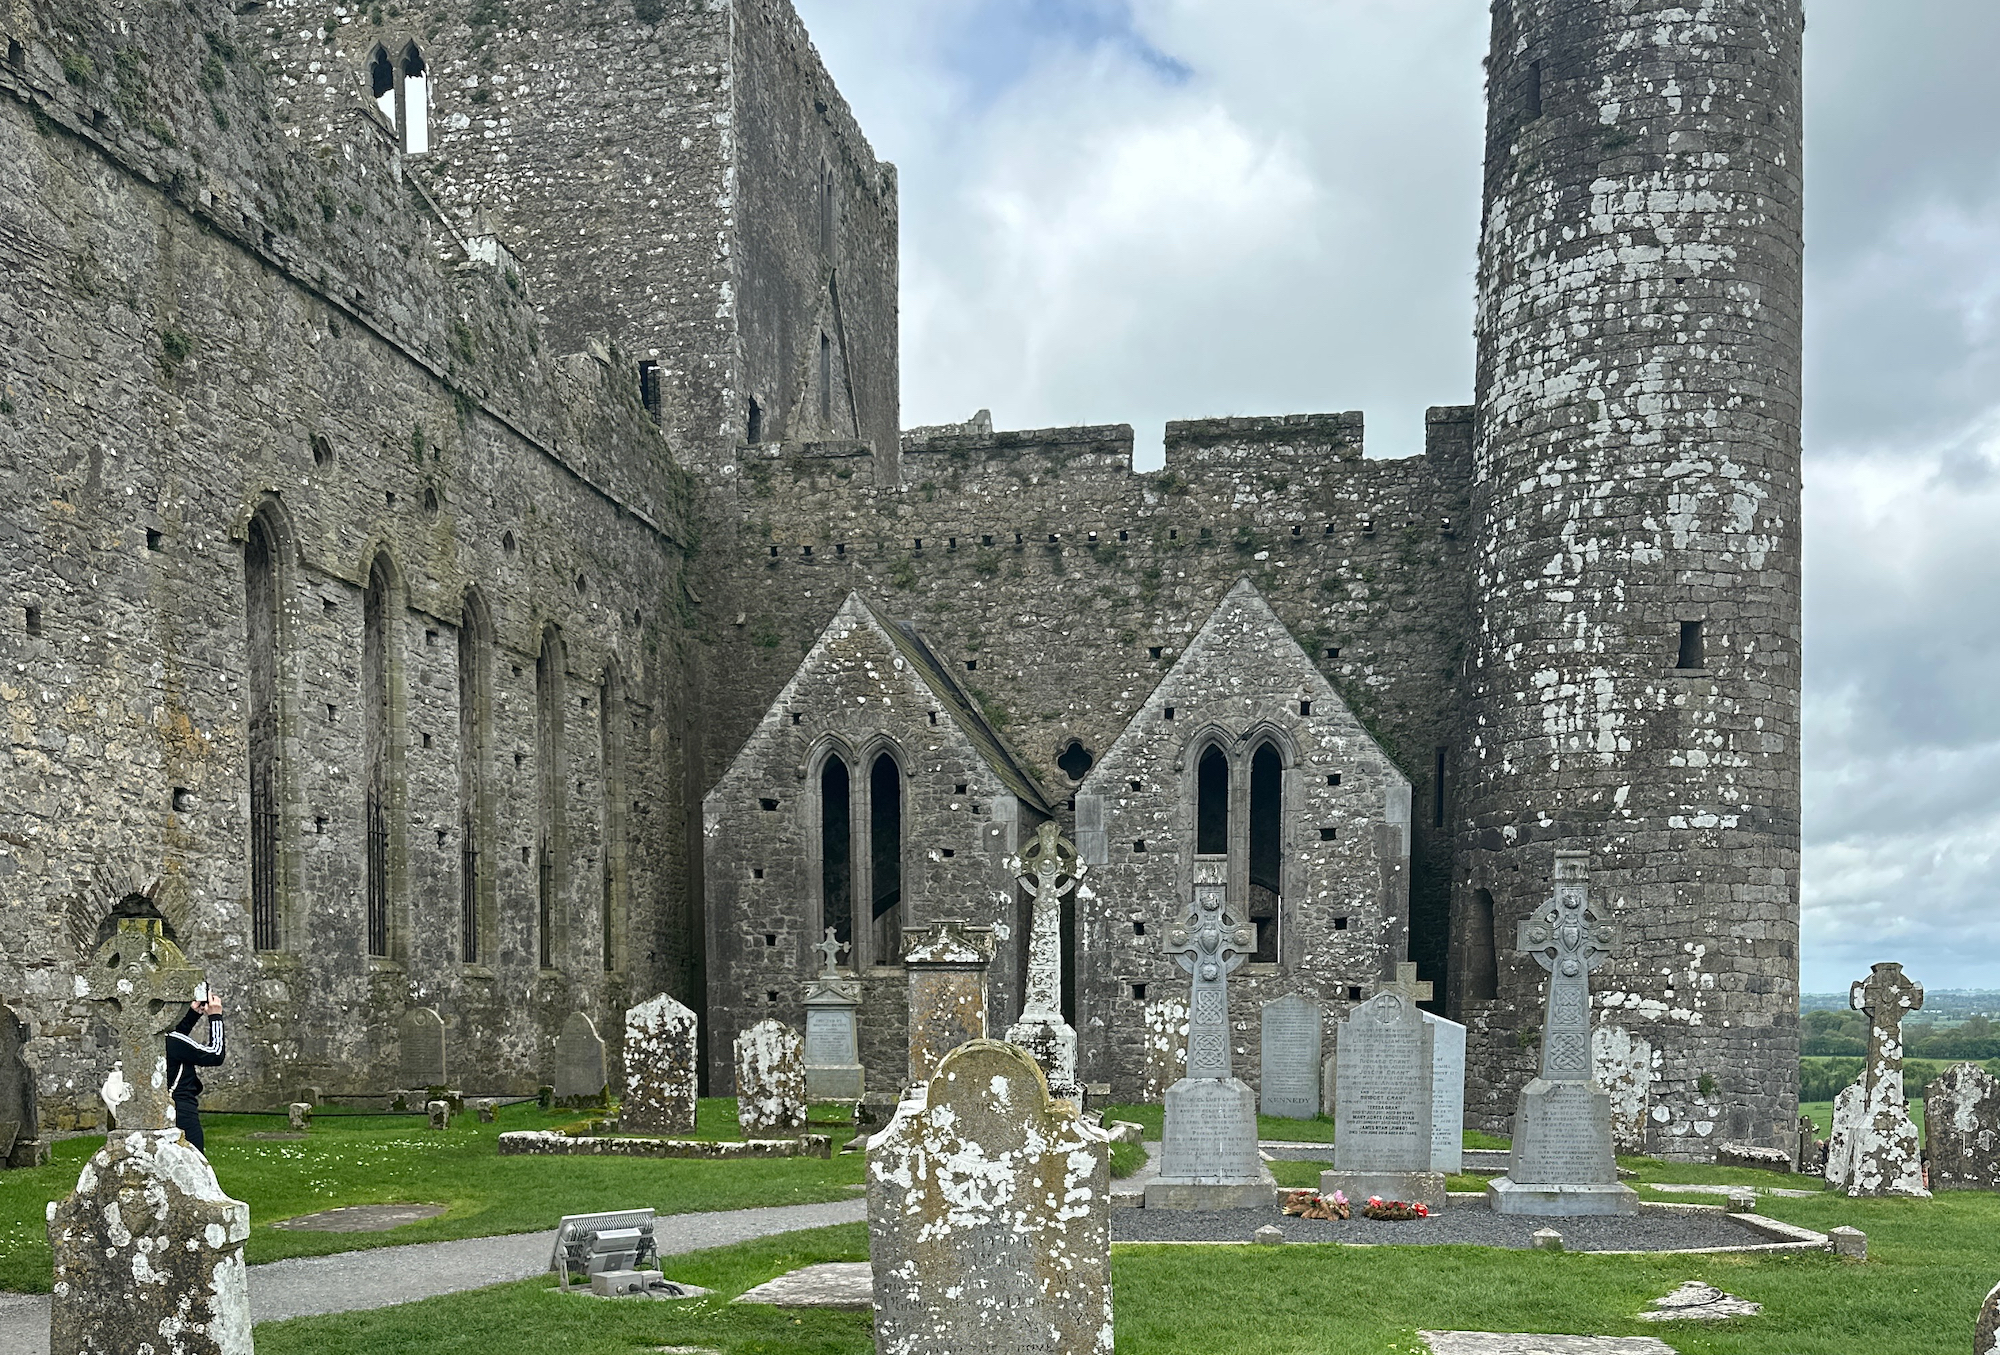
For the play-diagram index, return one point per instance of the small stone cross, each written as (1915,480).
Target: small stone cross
(830,950)
(1887,995)
(1209,944)
(143,985)
(1050,864)
(1407,985)
(1567,938)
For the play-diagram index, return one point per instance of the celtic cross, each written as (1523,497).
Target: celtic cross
(1887,995)
(1050,865)
(1209,944)
(143,985)
(830,950)
(1567,938)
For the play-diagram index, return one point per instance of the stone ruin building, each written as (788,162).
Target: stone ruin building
(460,552)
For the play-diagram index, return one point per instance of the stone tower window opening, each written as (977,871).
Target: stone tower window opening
(263,593)
(826,210)
(549,751)
(382,83)
(825,379)
(1532,91)
(1266,851)
(380,671)
(885,856)
(1076,761)
(1211,815)
(649,388)
(1692,651)
(1480,949)
(836,857)
(753,432)
(416,102)
(611,735)
(475,658)
(1438,788)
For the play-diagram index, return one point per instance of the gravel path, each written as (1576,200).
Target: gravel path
(1469,1222)
(310,1285)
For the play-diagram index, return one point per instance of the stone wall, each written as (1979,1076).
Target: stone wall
(1637,473)
(208,323)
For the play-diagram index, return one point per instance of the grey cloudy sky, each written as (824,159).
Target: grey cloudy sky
(1138,210)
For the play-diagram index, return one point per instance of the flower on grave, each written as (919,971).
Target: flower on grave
(1394,1211)
(1340,1198)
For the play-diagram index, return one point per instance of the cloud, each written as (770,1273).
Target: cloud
(1137,210)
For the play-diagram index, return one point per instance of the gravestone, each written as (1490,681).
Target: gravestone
(833,1049)
(439,1112)
(1288,1076)
(1382,1135)
(580,1078)
(659,1068)
(770,1079)
(946,965)
(1049,865)
(1447,1061)
(989,1225)
(1986,1337)
(1562,1162)
(148,1250)
(1166,1021)
(420,1035)
(1962,1129)
(1875,1150)
(299,1115)
(1208,1151)
(20,1122)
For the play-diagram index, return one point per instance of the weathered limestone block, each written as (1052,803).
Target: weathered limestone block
(149,1254)
(1986,1338)
(989,1225)
(421,1037)
(1166,1045)
(1876,1150)
(770,1079)
(1850,1243)
(488,1112)
(659,1067)
(299,1115)
(580,1079)
(1962,1129)
(1622,1064)
(946,965)
(1750,1155)
(440,1113)
(20,1120)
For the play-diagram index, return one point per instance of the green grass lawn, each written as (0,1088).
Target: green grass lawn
(1930,1265)
(389,1159)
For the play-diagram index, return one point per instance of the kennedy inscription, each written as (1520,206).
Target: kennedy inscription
(1290,1071)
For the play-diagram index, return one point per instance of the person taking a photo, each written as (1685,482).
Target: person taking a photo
(185,1054)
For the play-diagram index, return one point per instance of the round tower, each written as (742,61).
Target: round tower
(1633,683)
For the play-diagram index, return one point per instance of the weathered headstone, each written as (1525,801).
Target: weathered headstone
(1208,1153)
(20,1121)
(946,965)
(439,1112)
(580,1078)
(1962,1129)
(1562,1162)
(148,1250)
(485,1108)
(421,1036)
(989,1225)
(1875,1149)
(659,1068)
(1166,1045)
(1986,1337)
(1447,1062)
(1622,1064)
(770,1079)
(1288,1076)
(1050,865)
(1850,1243)
(833,1049)
(1382,1135)
(299,1115)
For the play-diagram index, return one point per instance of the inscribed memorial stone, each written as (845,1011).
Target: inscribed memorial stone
(1876,1150)
(833,1047)
(770,1079)
(421,1037)
(659,1067)
(989,1226)
(580,1078)
(20,1123)
(946,965)
(1562,1162)
(1962,1129)
(1447,1064)
(1382,1137)
(1289,1073)
(1986,1337)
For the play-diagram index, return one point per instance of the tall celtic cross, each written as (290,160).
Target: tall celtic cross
(1567,938)
(1210,945)
(142,985)
(1887,995)
(829,950)
(1049,864)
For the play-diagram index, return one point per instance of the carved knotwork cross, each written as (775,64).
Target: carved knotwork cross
(142,984)
(1209,944)
(1568,939)
(1050,866)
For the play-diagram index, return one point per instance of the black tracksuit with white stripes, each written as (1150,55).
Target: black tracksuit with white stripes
(184,1055)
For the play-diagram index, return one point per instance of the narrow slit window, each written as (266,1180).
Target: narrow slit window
(382,80)
(1693,652)
(377,681)
(1212,804)
(649,389)
(1437,790)
(473,658)
(1533,90)
(261,593)
(825,379)
(753,430)
(836,831)
(885,849)
(1480,950)
(611,742)
(1267,817)
(552,785)
(416,102)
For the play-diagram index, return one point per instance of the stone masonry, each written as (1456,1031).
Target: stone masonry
(456,508)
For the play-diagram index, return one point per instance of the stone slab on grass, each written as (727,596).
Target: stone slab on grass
(1698,1302)
(361,1218)
(835,1284)
(1504,1343)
